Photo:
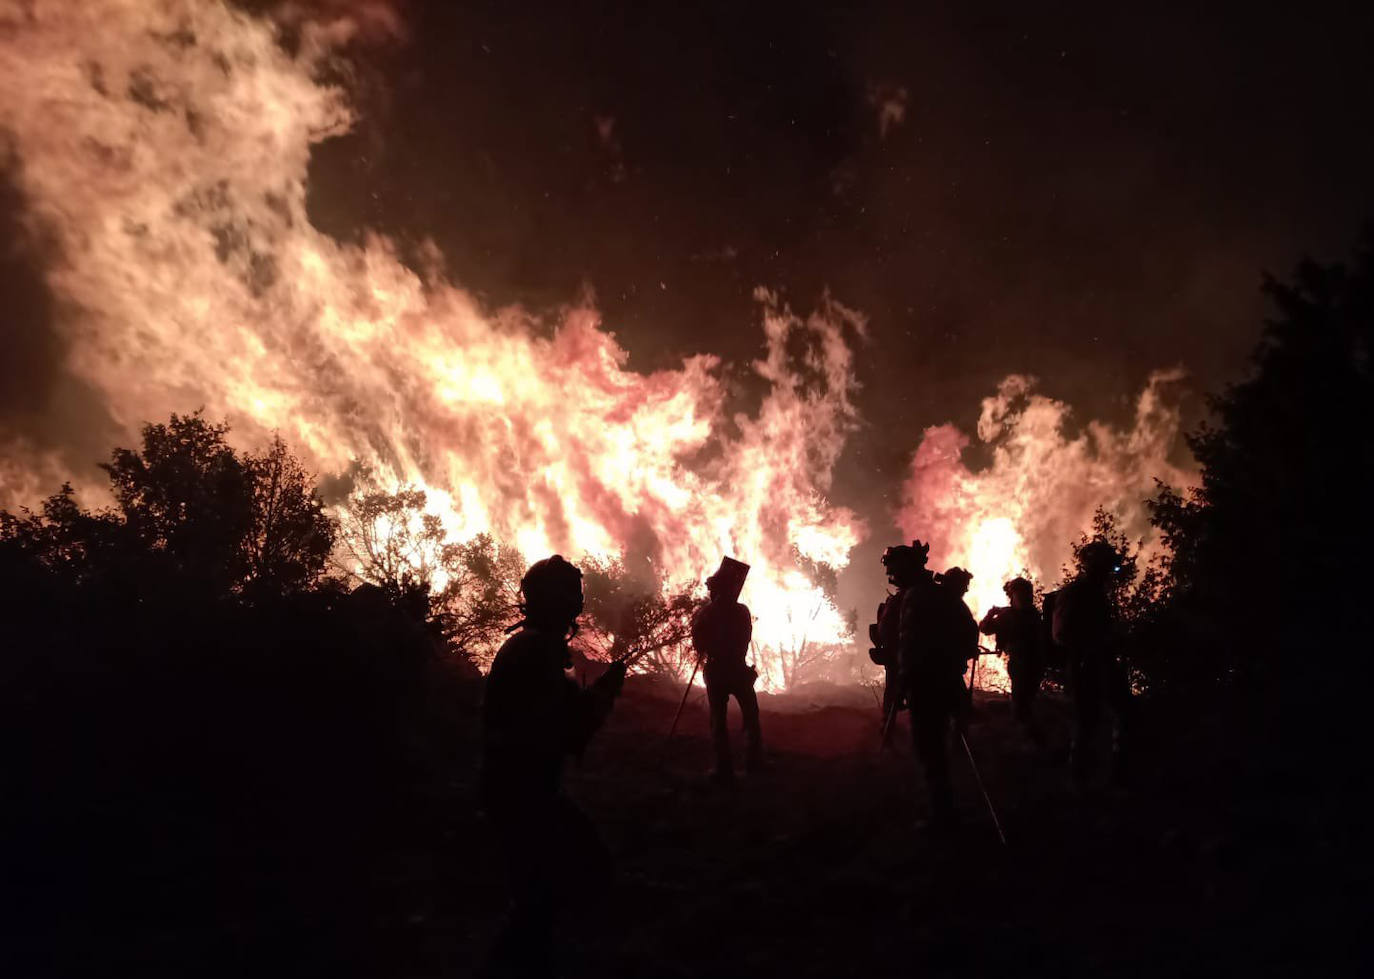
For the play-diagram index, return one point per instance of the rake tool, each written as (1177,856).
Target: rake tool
(683,703)
(997,823)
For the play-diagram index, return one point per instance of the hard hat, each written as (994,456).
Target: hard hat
(552,589)
(906,556)
(958,577)
(1099,554)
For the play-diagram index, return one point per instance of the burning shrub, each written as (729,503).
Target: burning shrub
(480,598)
(639,618)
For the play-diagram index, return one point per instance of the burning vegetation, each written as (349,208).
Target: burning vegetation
(163,150)
(253,641)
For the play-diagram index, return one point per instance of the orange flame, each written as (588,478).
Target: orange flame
(164,148)
(164,151)
(1021,514)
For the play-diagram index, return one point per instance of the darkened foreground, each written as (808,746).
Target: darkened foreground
(332,862)
(219,759)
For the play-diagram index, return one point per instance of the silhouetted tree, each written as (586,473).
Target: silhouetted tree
(187,499)
(61,539)
(1269,552)
(185,701)
(469,592)
(291,537)
(190,513)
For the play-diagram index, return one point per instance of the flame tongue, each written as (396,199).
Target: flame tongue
(1021,514)
(164,148)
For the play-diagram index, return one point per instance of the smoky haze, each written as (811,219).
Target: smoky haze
(1084,197)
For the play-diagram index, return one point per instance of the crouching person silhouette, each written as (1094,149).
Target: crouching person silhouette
(533,716)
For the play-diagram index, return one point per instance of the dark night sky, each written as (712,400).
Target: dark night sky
(1081,196)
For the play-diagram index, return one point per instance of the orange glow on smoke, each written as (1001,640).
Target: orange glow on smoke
(164,146)
(163,149)
(1021,513)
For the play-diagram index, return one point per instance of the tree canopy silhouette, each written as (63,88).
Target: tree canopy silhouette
(1269,552)
(289,537)
(190,514)
(187,499)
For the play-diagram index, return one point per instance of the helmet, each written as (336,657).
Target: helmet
(1099,556)
(957,578)
(905,559)
(552,590)
(1019,585)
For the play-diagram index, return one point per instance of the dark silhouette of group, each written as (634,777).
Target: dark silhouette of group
(925,638)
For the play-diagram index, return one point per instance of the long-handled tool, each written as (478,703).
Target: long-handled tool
(890,720)
(685,694)
(997,823)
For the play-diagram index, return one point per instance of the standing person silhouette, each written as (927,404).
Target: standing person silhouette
(721,630)
(901,565)
(1085,627)
(934,642)
(1017,630)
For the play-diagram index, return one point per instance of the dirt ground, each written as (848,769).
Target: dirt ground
(816,867)
(1212,862)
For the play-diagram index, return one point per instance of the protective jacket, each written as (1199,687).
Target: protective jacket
(938,635)
(533,715)
(1017,630)
(1083,623)
(720,634)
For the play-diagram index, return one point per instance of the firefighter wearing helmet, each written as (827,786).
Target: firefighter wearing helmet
(930,663)
(906,567)
(1084,627)
(1017,629)
(963,628)
(533,716)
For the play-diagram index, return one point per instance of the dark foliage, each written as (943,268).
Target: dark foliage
(289,537)
(187,501)
(201,736)
(1269,553)
(207,744)
(192,516)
